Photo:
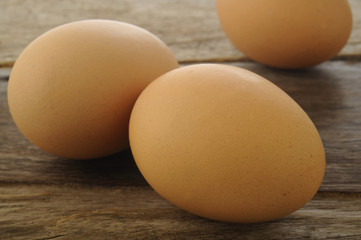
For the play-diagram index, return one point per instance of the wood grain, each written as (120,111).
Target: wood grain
(46,197)
(43,196)
(190,28)
(80,212)
(329,93)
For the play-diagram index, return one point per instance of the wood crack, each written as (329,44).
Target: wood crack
(54,237)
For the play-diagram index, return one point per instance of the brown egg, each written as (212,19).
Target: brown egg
(72,89)
(284,33)
(224,143)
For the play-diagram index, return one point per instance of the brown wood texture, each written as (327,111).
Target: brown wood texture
(91,212)
(190,28)
(43,196)
(329,93)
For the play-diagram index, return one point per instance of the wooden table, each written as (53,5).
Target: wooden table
(45,197)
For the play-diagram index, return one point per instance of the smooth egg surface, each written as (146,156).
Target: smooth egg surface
(287,34)
(72,89)
(224,143)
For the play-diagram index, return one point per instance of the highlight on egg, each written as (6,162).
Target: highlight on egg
(287,34)
(72,89)
(226,144)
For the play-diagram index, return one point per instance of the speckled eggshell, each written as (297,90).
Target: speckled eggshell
(72,89)
(224,143)
(287,33)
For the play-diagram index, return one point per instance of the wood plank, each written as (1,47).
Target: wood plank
(190,28)
(79,212)
(329,93)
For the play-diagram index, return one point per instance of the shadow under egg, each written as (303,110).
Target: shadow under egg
(115,170)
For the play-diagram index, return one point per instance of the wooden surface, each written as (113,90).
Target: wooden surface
(190,28)
(46,197)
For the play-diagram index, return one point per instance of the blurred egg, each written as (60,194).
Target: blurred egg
(224,143)
(72,89)
(287,34)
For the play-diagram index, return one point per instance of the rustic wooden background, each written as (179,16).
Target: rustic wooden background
(45,197)
(190,28)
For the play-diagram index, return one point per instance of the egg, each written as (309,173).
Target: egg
(287,34)
(226,144)
(72,89)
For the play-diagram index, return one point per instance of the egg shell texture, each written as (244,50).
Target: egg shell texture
(226,144)
(284,33)
(72,89)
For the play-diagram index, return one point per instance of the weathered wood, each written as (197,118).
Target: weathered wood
(80,212)
(46,197)
(329,93)
(190,28)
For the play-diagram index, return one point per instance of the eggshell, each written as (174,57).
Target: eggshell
(284,33)
(224,143)
(72,89)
